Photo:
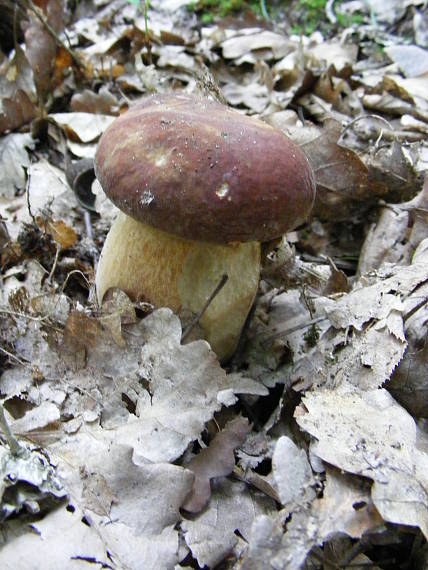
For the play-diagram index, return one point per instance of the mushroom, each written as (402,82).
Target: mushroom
(199,186)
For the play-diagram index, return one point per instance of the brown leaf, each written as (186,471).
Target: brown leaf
(64,235)
(89,102)
(40,44)
(344,185)
(81,332)
(217,460)
(17,111)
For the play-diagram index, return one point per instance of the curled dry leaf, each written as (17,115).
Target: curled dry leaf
(217,460)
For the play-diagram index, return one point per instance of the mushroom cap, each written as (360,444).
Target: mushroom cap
(198,169)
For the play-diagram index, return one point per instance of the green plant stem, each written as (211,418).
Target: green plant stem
(263,10)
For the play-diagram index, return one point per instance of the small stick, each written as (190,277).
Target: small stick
(27,192)
(291,330)
(14,446)
(55,263)
(197,318)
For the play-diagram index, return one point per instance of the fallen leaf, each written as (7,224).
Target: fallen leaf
(369,434)
(217,460)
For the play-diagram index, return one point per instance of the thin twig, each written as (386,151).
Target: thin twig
(197,318)
(362,117)
(14,357)
(14,446)
(55,263)
(291,330)
(27,192)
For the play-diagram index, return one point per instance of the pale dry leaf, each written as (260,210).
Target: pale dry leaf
(16,73)
(389,11)
(345,508)
(409,383)
(383,292)
(97,495)
(412,124)
(14,160)
(292,474)
(37,418)
(187,379)
(413,88)
(232,509)
(412,60)
(332,53)
(83,127)
(48,190)
(390,240)
(369,434)
(268,45)
(60,540)
(141,502)
(216,460)
(159,552)
(271,549)
(254,96)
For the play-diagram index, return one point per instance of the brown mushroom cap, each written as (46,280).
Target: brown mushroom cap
(197,169)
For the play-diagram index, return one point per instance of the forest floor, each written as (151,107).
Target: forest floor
(122,447)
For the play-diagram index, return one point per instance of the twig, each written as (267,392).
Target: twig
(195,321)
(362,117)
(27,192)
(14,446)
(14,357)
(55,263)
(291,330)
(256,481)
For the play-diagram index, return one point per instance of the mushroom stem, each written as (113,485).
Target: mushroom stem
(158,267)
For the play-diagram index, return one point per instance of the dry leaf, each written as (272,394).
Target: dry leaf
(369,434)
(64,235)
(16,111)
(217,460)
(41,46)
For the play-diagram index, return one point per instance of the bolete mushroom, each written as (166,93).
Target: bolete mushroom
(199,186)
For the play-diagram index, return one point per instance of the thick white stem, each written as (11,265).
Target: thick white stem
(168,271)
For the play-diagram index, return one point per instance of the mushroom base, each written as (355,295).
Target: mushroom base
(167,271)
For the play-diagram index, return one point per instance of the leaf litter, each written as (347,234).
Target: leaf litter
(310,447)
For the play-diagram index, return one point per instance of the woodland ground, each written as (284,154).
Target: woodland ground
(308,449)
